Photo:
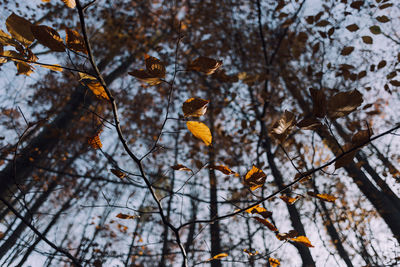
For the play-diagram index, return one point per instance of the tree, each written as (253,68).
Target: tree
(169,133)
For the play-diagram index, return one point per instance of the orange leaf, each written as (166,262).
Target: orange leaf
(125,216)
(325,197)
(75,41)
(255,178)
(200,131)
(70,3)
(259,210)
(222,168)
(118,173)
(274,262)
(302,240)
(250,253)
(218,256)
(266,223)
(289,200)
(95,142)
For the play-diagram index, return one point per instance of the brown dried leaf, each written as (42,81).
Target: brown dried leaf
(154,66)
(180,167)
(290,234)
(309,124)
(289,200)
(205,64)
(259,210)
(222,168)
(95,141)
(255,178)
(48,37)
(194,107)
(382,19)
(20,29)
(352,27)
(266,223)
(145,76)
(283,126)
(125,216)
(367,39)
(75,41)
(118,173)
(361,137)
(344,103)
(347,50)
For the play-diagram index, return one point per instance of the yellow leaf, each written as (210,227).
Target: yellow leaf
(274,262)
(125,216)
(289,200)
(70,3)
(118,173)
(6,39)
(222,168)
(259,210)
(255,178)
(325,197)
(92,83)
(205,64)
(48,37)
(180,167)
(20,29)
(302,240)
(218,256)
(54,67)
(194,107)
(250,253)
(200,131)
(266,223)
(75,41)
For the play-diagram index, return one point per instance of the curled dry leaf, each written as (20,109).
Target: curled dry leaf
(222,168)
(250,253)
(180,167)
(95,141)
(75,41)
(145,76)
(205,64)
(290,234)
(302,240)
(92,83)
(194,107)
(309,124)
(70,3)
(324,197)
(118,173)
(259,210)
(218,256)
(48,37)
(20,29)
(273,262)
(155,70)
(344,103)
(200,131)
(283,126)
(255,178)
(125,216)
(289,200)
(266,223)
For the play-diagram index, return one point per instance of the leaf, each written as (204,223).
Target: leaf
(367,39)
(194,107)
(273,262)
(347,50)
(303,240)
(218,256)
(24,68)
(322,23)
(381,64)
(250,253)
(92,83)
(382,19)
(6,39)
(344,103)
(95,141)
(125,216)
(357,4)
(289,200)
(75,41)
(283,126)
(267,223)
(375,29)
(324,197)
(309,124)
(352,27)
(20,29)
(200,131)
(48,37)
(361,138)
(54,67)
(180,167)
(255,178)
(154,66)
(205,64)
(118,173)
(145,76)
(395,83)
(290,234)
(385,6)
(259,210)
(70,3)
(222,168)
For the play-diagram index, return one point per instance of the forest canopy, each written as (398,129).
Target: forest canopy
(199,133)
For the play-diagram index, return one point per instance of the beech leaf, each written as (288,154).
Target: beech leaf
(367,39)
(289,200)
(48,37)
(222,168)
(194,107)
(302,240)
(180,167)
(95,141)
(273,262)
(250,253)
(20,29)
(218,256)
(325,197)
(200,131)
(125,216)
(118,173)
(75,41)
(352,27)
(145,76)
(92,83)
(70,3)
(259,210)
(344,103)
(205,64)
(347,50)
(375,29)
(154,66)
(255,178)
(282,127)
(267,223)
